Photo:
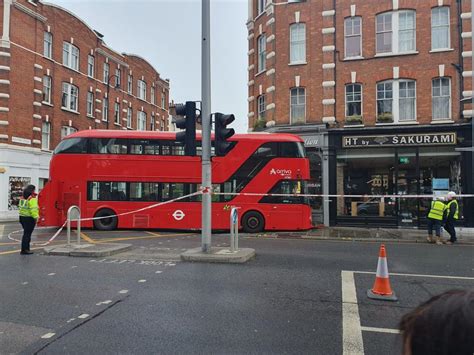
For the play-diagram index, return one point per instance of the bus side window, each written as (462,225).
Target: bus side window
(72,146)
(267,150)
(136,146)
(152,148)
(291,150)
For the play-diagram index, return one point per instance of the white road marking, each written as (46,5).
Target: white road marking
(158,272)
(70,320)
(419,275)
(103,302)
(83,316)
(380,330)
(142,281)
(123,291)
(352,342)
(48,335)
(52,274)
(73,267)
(24,283)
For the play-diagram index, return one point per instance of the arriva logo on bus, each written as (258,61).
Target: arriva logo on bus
(282,172)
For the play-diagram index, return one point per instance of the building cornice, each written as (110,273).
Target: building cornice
(28,11)
(111,57)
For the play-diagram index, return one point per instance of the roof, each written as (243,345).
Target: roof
(100,133)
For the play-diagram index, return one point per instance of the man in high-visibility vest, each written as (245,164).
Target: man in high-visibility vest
(435,220)
(29,213)
(452,215)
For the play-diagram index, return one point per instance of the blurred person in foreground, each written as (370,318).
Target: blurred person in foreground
(29,213)
(443,325)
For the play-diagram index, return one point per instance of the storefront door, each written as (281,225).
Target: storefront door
(315,186)
(407,178)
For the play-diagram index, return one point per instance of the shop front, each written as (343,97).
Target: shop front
(426,161)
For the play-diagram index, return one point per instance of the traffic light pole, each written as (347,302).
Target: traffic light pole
(206,127)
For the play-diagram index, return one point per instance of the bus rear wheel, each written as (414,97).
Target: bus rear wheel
(105,224)
(253,222)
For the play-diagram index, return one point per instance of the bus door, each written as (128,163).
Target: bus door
(69,195)
(285,212)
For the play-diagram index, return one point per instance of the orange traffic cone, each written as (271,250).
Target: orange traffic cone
(382,289)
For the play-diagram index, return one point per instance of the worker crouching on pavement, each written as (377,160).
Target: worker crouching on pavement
(435,220)
(451,215)
(29,213)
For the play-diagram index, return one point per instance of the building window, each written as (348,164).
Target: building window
(129,117)
(70,97)
(66,131)
(141,121)
(118,78)
(48,45)
(129,84)
(70,56)
(90,65)
(152,122)
(47,89)
(396,101)
(298,105)
(298,43)
(261,107)
(261,44)
(152,95)
(90,103)
(105,109)
(45,135)
(106,72)
(354,100)
(396,32)
(141,86)
(441,99)
(163,100)
(440,38)
(117,113)
(353,37)
(260,6)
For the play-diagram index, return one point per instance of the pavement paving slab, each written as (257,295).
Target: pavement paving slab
(219,255)
(87,250)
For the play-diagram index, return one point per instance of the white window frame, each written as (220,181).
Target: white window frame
(261,52)
(395,33)
(67,130)
(130,84)
(152,95)
(295,43)
(48,44)
(260,7)
(71,56)
(90,104)
(117,113)
(106,72)
(118,77)
(441,96)
(441,26)
(141,121)
(105,109)
(45,135)
(129,117)
(141,89)
(90,65)
(72,97)
(396,101)
(346,36)
(47,88)
(347,101)
(291,107)
(260,105)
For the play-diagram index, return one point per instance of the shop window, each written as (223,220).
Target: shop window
(441,98)
(353,37)
(16,184)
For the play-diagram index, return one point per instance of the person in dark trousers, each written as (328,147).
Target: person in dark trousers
(29,213)
(443,325)
(451,216)
(435,220)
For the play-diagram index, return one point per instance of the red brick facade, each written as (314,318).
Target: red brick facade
(23,66)
(325,72)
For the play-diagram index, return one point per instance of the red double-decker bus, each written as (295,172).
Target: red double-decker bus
(107,173)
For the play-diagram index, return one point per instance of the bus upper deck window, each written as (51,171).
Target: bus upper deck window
(292,150)
(72,146)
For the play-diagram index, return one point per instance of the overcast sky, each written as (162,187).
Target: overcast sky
(168,34)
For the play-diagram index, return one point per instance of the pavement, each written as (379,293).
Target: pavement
(295,297)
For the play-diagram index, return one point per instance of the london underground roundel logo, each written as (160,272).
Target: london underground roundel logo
(178,215)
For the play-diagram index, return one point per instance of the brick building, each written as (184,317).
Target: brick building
(58,76)
(379,90)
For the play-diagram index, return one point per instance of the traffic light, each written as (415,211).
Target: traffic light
(186,120)
(222,133)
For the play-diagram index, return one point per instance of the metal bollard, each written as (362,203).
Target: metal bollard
(76,217)
(234,230)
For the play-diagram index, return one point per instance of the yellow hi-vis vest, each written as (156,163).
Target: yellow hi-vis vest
(437,210)
(448,207)
(29,207)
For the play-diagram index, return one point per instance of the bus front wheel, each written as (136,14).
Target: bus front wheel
(253,222)
(105,224)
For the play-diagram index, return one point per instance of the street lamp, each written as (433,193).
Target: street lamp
(117,85)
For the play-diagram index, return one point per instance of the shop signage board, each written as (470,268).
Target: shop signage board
(400,140)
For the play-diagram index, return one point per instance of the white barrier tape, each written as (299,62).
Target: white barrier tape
(39,244)
(329,195)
